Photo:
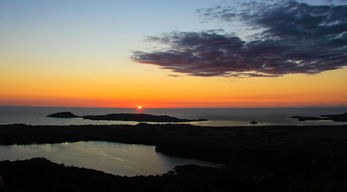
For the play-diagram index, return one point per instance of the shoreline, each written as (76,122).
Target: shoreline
(181,134)
(273,154)
(189,141)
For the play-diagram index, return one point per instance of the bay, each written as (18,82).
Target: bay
(114,158)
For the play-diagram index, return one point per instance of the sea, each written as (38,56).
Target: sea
(215,116)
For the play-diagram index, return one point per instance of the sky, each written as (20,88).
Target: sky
(155,53)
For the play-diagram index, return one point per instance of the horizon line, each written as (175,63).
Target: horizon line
(298,106)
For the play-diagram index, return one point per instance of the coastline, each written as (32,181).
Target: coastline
(268,153)
(271,138)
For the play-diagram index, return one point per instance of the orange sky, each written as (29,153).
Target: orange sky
(73,53)
(152,87)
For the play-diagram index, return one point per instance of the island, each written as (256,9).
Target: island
(139,117)
(63,115)
(253,122)
(335,118)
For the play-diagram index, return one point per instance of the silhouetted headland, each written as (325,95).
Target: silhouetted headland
(126,117)
(335,118)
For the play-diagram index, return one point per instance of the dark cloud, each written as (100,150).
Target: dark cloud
(294,38)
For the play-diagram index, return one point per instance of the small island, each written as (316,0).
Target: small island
(253,122)
(63,115)
(126,117)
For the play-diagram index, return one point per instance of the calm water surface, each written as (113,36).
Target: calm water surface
(216,116)
(114,158)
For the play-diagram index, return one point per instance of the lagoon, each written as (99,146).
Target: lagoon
(110,157)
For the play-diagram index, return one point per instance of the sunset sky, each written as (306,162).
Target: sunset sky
(182,53)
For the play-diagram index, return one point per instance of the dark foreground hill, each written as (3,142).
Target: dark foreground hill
(40,174)
(272,158)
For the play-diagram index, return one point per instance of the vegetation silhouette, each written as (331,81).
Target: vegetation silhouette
(264,158)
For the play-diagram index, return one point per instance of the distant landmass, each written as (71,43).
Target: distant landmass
(125,117)
(335,118)
(63,115)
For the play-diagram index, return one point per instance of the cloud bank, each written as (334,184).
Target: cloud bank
(294,38)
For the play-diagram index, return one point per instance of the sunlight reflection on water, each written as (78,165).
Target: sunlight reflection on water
(114,158)
(216,116)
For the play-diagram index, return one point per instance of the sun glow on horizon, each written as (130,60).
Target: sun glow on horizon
(97,63)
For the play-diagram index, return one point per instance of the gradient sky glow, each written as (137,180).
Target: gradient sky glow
(111,54)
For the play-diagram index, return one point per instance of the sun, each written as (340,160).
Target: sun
(139,107)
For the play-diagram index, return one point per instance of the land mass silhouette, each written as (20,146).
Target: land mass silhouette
(262,158)
(63,115)
(335,118)
(125,117)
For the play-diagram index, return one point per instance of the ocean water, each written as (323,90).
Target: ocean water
(215,116)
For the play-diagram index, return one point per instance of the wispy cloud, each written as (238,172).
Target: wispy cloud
(294,38)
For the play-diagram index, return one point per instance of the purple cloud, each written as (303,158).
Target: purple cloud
(294,38)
